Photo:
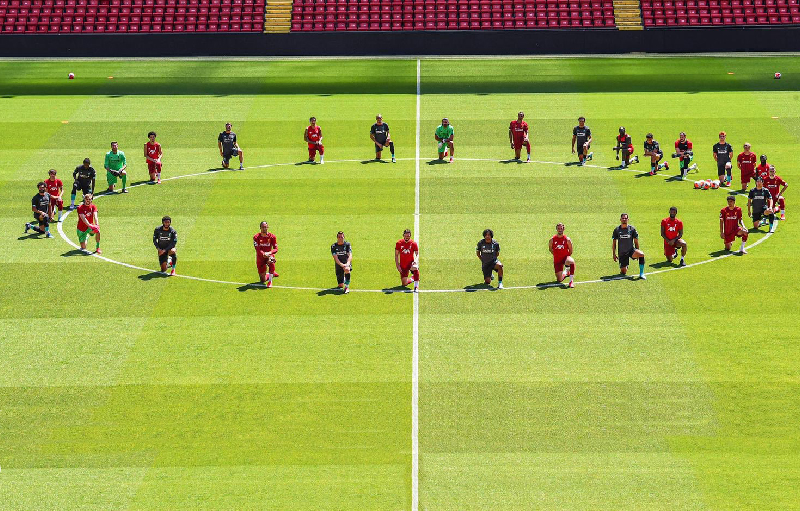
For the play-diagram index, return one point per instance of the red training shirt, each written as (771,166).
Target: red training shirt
(518,129)
(153,150)
(671,227)
(406,249)
(774,185)
(731,218)
(762,171)
(747,161)
(88,212)
(560,247)
(54,187)
(264,243)
(314,134)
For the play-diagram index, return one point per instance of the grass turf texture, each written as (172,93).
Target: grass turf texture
(123,390)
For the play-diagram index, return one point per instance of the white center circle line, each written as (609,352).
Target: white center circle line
(388,290)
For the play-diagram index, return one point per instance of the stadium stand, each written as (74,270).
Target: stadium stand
(364,15)
(124,16)
(681,13)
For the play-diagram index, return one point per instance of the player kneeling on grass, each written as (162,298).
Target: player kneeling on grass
(672,232)
(88,223)
(229,147)
(759,206)
(56,190)
(165,238)
(115,165)
(343,257)
(152,154)
(84,176)
(488,251)
(561,248)
(40,204)
(313,137)
(444,135)
(379,134)
(406,256)
(731,225)
(628,240)
(518,136)
(625,147)
(582,136)
(773,183)
(653,150)
(266,245)
(685,154)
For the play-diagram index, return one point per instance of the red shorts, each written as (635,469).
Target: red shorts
(519,143)
(262,264)
(558,265)
(405,269)
(153,166)
(669,250)
(57,202)
(747,176)
(731,237)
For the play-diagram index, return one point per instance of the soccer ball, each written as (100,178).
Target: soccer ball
(71,76)
(715,184)
(706,184)
(698,185)
(777,76)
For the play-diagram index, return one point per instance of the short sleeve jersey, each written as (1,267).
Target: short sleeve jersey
(445,132)
(88,212)
(228,141)
(560,247)
(153,150)
(82,174)
(774,185)
(165,240)
(581,134)
(380,132)
(54,187)
(684,146)
(488,251)
(314,134)
(672,227)
(760,198)
(652,147)
(762,171)
(747,162)
(41,202)
(264,242)
(406,249)
(730,219)
(625,237)
(624,141)
(341,252)
(723,152)
(115,161)
(518,129)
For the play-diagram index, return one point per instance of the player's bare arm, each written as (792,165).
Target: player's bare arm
(569,246)
(397,259)
(636,243)
(614,250)
(550,245)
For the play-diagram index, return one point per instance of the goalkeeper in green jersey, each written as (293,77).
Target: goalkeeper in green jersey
(115,165)
(444,138)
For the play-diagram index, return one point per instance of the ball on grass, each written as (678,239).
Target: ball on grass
(777,76)
(71,76)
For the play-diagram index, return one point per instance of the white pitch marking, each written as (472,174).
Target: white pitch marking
(416,227)
(415,335)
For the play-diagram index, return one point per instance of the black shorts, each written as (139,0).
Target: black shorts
(378,148)
(340,273)
(758,215)
(83,186)
(625,258)
(163,257)
(721,168)
(42,223)
(227,155)
(489,267)
(579,144)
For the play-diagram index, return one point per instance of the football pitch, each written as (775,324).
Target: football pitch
(121,388)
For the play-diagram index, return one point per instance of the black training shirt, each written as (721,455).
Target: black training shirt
(488,251)
(81,173)
(760,199)
(380,131)
(228,140)
(723,152)
(652,147)
(582,134)
(41,202)
(341,251)
(165,240)
(625,237)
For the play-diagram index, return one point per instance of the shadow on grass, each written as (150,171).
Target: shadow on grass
(307,162)
(482,286)
(674,178)
(618,276)
(367,162)
(153,275)
(331,291)
(644,174)
(553,284)
(253,286)
(30,235)
(663,264)
(437,161)
(74,252)
(573,164)
(513,160)
(396,289)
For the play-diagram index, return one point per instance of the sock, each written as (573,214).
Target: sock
(391,148)
(269,277)
(158,176)
(271,269)
(47,229)
(59,215)
(499,279)
(682,259)
(72,198)
(124,181)
(742,249)
(347,280)
(416,277)
(652,168)
(97,245)
(641,266)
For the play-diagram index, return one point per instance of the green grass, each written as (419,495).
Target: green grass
(119,389)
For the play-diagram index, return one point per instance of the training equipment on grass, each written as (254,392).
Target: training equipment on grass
(698,185)
(71,76)
(715,184)
(777,76)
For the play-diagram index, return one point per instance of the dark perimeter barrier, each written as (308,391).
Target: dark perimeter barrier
(478,42)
